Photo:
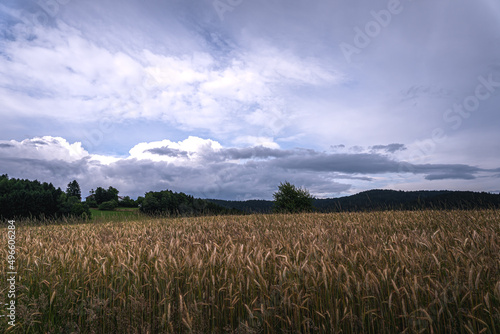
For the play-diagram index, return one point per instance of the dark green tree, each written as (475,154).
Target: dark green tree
(170,203)
(73,190)
(71,206)
(91,203)
(151,205)
(127,202)
(290,199)
(113,194)
(102,195)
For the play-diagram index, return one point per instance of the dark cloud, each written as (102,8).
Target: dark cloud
(219,178)
(352,177)
(167,151)
(38,142)
(258,152)
(460,176)
(391,148)
(3,145)
(363,163)
(374,164)
(439,171)
(213,180)
(54,171)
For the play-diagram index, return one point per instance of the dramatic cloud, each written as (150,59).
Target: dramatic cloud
(204,168)
(337,96)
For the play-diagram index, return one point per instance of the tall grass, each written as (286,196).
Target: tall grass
(380,272)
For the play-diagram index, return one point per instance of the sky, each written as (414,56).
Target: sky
(228,98)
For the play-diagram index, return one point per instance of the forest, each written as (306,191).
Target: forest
(33,199)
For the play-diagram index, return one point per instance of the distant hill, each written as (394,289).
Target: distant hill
(376,200)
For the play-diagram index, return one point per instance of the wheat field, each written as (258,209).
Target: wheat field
(378,272)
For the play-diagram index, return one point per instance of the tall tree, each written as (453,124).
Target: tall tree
(290,199)
(113,194)
(73,190)
(102,195)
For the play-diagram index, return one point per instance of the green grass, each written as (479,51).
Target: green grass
(116,215)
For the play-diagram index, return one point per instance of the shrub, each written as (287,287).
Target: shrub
(91,203)
(108,206)
(80,210)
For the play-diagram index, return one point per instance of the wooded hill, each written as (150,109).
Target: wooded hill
(376,200)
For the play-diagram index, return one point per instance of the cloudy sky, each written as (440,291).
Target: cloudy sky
(228,98)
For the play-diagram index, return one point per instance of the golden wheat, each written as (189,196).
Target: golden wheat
(381,272)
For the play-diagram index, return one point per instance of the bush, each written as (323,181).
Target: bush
(108,206)
(81,210)
(91,203)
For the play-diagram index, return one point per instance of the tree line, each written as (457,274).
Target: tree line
(24,199)
(32,199)
(170,203)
